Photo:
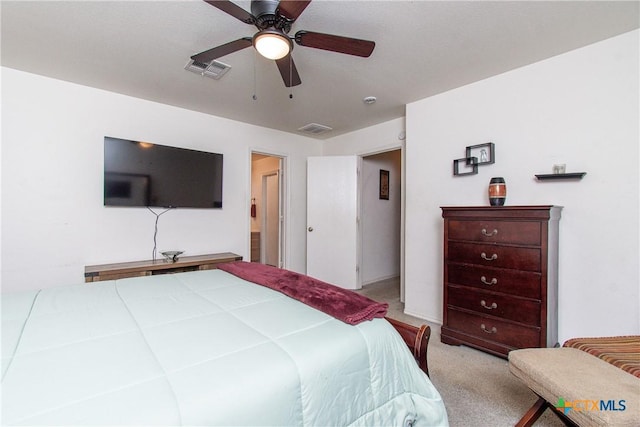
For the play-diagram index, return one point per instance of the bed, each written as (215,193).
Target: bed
(204,348)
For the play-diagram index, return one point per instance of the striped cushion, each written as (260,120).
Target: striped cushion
(622,352)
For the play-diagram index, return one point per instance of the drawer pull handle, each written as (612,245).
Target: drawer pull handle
(493,281)
(492,331)
(492,258)
(486,233)
(493,306)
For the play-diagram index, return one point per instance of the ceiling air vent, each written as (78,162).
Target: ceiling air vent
(215,69)
(315,129)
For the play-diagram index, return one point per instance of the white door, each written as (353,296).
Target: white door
(333,246)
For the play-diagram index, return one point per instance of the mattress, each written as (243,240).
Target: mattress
(201,348)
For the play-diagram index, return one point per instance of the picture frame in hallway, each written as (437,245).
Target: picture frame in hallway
(384,184)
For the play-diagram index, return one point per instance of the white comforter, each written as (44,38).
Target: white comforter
(201,348)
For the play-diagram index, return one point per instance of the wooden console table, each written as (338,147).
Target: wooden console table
(97,273)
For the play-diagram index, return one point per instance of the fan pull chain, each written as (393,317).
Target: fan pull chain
(290,76)
(254,96)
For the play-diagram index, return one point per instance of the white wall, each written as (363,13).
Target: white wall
(579,108)
(371,140)
(53,219)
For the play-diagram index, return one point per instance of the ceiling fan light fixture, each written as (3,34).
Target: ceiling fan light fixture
(272,44)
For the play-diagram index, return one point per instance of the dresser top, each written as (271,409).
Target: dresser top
(521,212)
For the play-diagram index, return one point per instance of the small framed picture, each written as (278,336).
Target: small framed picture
(484,153)
(384,184)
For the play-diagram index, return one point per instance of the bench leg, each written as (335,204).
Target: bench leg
(538,408)
(532,415)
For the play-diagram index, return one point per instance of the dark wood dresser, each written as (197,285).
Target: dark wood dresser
(501,277)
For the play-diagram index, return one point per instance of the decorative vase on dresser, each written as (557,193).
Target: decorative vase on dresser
(501,277)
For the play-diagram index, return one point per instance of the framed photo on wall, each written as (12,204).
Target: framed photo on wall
(384,184)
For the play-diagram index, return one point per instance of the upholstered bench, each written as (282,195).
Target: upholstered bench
(577,385)
(622,352)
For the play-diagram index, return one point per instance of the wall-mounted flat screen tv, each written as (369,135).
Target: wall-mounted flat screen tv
(150,175)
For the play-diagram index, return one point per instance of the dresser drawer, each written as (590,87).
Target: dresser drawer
(516,258)
(517,232)
(503,306)
(488,328)
(521,283)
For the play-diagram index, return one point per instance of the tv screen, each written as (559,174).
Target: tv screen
(143,174)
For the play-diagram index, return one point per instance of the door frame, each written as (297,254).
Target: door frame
(263,220)
(399,145)
(283,200)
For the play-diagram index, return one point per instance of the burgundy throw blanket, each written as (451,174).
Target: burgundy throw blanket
(343,304)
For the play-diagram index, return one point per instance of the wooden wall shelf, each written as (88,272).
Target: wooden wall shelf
(97,273)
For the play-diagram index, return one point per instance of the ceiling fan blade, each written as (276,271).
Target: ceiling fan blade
(333,43)
(233,10)
(225,49)
(291,9)
(288,71)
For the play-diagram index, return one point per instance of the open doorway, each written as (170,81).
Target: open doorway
(267,213)
(382,220)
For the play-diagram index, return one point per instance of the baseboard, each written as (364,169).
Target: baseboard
(381,279)
(421,316)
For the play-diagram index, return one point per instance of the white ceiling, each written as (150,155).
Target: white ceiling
(422,48)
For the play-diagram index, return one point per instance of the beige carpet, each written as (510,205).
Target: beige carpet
(477,388)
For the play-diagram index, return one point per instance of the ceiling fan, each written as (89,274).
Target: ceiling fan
(273,19)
